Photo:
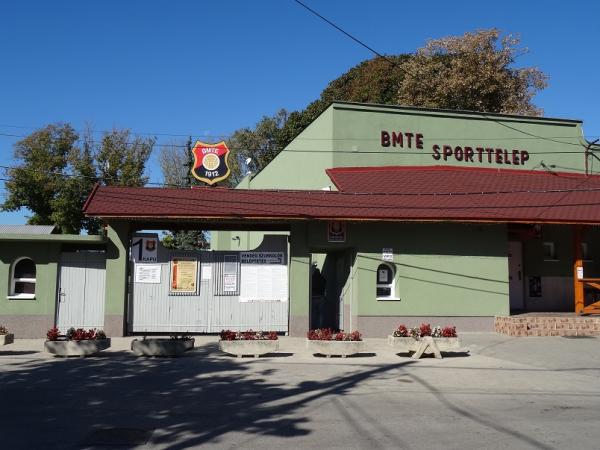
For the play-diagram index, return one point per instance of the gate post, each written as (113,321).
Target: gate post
(578,268)
(299,281)
(116,278)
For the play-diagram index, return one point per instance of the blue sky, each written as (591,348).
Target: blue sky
(209,67)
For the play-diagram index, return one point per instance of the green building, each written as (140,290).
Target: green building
(383,215)
(31,259)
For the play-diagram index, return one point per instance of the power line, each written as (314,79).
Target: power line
(109,131)
(411,74)
(492,192)
(355,39)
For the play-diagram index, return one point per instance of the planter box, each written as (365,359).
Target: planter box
(256,348)
(336,348)
(76,348)
(6,339)
(425,345)
(403,344)
(447,344)
(161,346)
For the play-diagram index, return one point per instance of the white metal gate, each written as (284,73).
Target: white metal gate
(215,306)
(81,290)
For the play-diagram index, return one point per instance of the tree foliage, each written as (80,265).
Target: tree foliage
(56,171)
(470,72)
(260,144)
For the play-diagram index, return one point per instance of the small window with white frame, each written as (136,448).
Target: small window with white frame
(23,279)
(386,284)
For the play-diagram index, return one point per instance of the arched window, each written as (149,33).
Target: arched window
(386,274)
(23,278)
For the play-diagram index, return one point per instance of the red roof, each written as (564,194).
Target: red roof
(390,193)
(458,180)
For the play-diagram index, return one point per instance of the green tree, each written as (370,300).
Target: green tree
(260,144)
(54,175)
(121,158)
(44,181)
(471,72)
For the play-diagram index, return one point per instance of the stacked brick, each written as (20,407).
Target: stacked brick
(548,326)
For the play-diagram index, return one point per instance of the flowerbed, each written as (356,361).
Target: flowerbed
(424,339)
(255,343)
(76,342)
(327,334)
(5,336)
(228,335)
(75,334)
(325,341)
(425,330)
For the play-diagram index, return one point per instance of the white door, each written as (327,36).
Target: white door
(515,275)
(81,290)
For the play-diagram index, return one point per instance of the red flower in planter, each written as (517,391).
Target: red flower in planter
(402,331)
(340,336)
(227,335)
(53,334)
(355,336)
(425,329)
(272,336)
(449,332)
(320,334)
(249,335)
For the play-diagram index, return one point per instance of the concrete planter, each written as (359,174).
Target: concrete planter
(256,348)
(76,348)
(6,339)
(424,345)
(335,348)
(410,344)
(161,346)
(447,344)
(403,344)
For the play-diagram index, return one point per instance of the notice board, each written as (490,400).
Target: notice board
(264,277)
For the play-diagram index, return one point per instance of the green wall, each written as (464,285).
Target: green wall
(357,137)
(441,269)
(349,135)
(46,256)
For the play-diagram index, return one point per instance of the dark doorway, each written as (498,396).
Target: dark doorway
(327,285)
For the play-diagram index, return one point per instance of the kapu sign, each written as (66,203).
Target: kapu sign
(144,248)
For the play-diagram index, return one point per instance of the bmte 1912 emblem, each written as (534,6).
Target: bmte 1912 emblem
(210,162)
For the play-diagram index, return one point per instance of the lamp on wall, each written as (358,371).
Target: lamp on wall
(236,238)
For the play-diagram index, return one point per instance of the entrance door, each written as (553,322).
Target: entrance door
(515,276)
(81,290)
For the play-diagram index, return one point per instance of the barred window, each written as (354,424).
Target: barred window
(386,274)
(23,278)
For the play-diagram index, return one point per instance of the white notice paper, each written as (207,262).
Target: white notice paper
(264,282)
(387,254)
(206,271)
(147,273)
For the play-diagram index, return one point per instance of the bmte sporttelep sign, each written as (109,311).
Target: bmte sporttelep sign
(210,162)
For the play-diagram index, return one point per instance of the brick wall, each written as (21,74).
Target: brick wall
(548,326)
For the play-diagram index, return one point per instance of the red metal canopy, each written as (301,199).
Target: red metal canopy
(375,193)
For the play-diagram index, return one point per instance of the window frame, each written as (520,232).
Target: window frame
(552,253)
(391,285)
(14,280)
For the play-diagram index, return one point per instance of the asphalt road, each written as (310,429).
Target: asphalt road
(506,393)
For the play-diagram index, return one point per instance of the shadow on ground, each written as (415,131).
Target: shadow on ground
(181,402)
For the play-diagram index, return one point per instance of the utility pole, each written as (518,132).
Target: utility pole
(190,162)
